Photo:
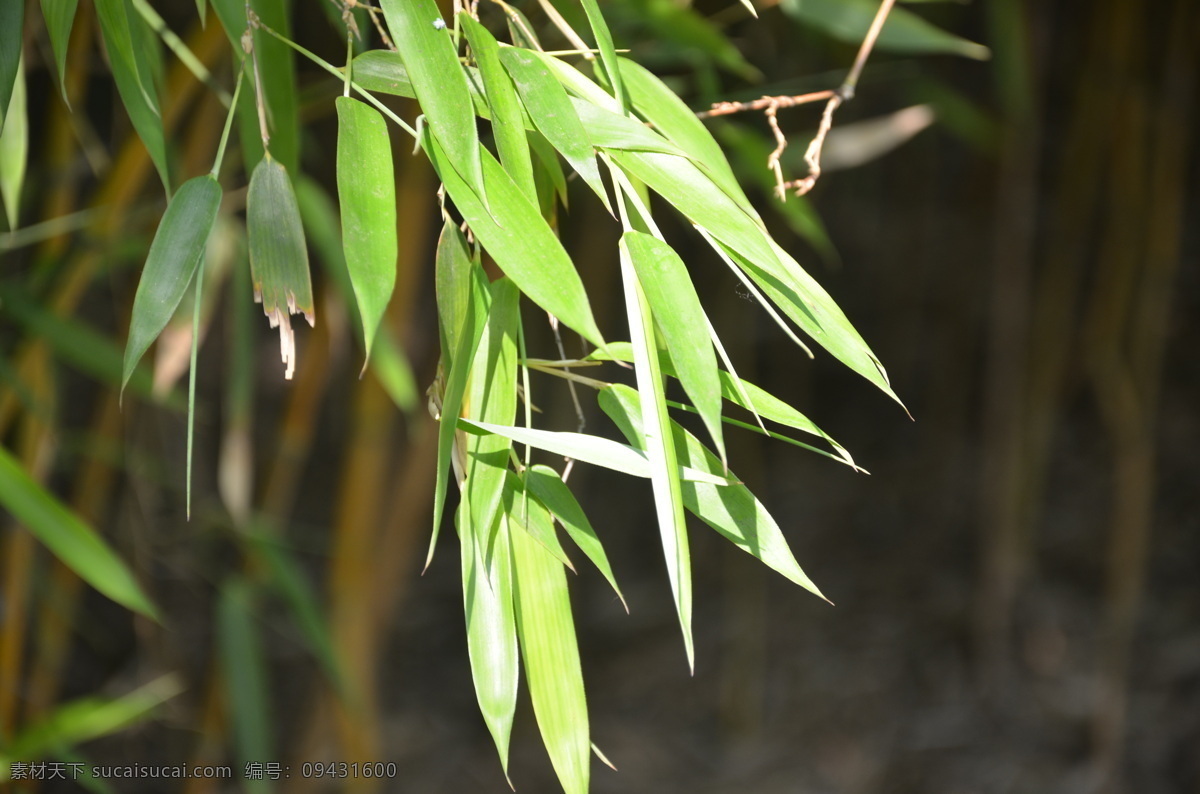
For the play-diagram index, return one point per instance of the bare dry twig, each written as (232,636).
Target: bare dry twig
(833,99)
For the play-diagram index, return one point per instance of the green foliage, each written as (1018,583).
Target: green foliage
(550,121)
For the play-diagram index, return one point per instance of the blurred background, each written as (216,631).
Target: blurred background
(1015,582)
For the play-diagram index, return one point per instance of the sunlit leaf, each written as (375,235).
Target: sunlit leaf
(175,254)
(526,513)
(547,485)
(517,237)
(608,130)
(679,316)
(278,254)
(491,626)
(508,125)
(367,195)
(552,669)
(731,510)
(554,115)
(658,445)
(67,537)
(608,52)
(431,63)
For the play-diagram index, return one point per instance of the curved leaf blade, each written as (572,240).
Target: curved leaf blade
(12,27)
(59,16)
(904,31)
(175,254)
(367,194)
(14,149)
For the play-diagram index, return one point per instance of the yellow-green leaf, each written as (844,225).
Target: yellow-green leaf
(367,194)
(60,17)
(14,149)
(12,27)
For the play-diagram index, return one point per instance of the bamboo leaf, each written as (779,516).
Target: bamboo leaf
(367,194)
(508,124)
(175,254)
(452,279)
(904,31)
(546,628)
(517,237)
(547,485)
(14,149)
(659,447)
(135,88)
(59,16)
(608,130)
(528,514)
(12,27)
(588,449)
(554,115)
(677,312)
(278,254)
(277,67)
(608,53)
(732,510)
(491,625)
(68,538)
(431,62)
(244,673)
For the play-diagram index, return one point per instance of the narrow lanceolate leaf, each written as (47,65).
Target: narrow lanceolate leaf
(492,397)
(659,447)
(547,485)
(526,513)
(508,126)
(67,537)
(609,130)
(456,380)
(554,115)
(12,26)
(367,194)
(174,256)
(276,63)
(14,150)
(452,282)
(60,17)
(278,254)
(904,31)
(678,315)
(431,61)
(244,674)
(731,510)
(587,449)
(552,669)
(608,52)
(659,105)
(491,625)
(520,241)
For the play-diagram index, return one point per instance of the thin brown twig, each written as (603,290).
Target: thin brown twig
(833,99)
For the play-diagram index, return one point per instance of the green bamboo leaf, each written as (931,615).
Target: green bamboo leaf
(431,62)
(553,115)
(68,538)
(731,510)
(60,18)
(677,313)
(546,628)
(12,27)
(696,194)
(548,174)
(547,485)
(134,86)
(508,124)
(278,254)
(659,446)
(577,83)
(244,674)
(14,149)
(659,105)
(452,280)
(517,237)
(492,397)
(588,449)
(608,52)
(904,31)
(456,380)
(175,254)
(527,513)
(383,71)
(322,226)
(89,718)
(519,29)
(608,130)
(367,194)
(277,68)
(491,626)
